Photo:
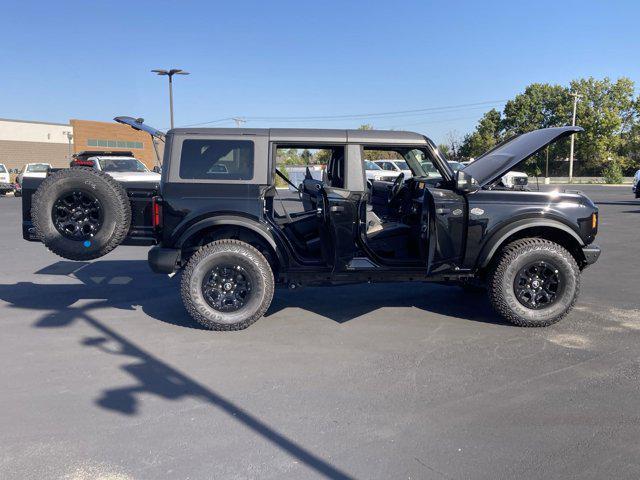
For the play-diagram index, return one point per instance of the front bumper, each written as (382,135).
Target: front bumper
(6,187)
(591,254)
(163,260)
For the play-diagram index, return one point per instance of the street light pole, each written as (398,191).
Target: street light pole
(575,96)
(69,136)
(170,73)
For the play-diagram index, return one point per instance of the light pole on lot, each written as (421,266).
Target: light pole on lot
(170,74)
(575,96)
(69,136)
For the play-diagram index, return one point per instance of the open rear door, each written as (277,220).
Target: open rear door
(338,227)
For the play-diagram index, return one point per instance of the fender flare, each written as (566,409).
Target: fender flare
(497,239)
(236,221)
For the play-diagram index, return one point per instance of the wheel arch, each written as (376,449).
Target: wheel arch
(552,230)
(234,227)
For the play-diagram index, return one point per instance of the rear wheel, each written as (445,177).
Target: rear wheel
(80,213)
(227,285)
(534,282)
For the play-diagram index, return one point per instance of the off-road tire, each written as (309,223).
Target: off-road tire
(512,258)
(116,211)
(216,253)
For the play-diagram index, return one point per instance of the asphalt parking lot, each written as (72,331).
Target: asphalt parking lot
(105,376)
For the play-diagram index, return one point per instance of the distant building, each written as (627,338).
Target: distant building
(25,141)
(32,142)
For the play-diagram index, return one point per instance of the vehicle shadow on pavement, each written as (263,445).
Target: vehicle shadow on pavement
(127,284)
(121,284)
(150,374)
(344,303)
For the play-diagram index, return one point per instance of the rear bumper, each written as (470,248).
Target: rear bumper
(591,254)
(163,260)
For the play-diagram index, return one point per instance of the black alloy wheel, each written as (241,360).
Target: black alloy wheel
(77,215)
(226,288)
(538,285)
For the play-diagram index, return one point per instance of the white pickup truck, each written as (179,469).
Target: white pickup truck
(122,166)
(5,181)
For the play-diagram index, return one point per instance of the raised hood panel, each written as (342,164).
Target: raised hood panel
(498,161)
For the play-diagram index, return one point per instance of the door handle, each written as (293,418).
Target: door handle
(337,208)
(443,211)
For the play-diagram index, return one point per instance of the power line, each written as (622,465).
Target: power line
(382,114)
(390,114)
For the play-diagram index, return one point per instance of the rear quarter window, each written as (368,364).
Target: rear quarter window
(217,159)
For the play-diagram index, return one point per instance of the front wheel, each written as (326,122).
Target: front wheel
(534,282)
(227,285)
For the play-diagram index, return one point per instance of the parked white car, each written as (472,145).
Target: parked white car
(512,180)
(395,166)
(122,167)
(5,183)
(33,170)
(375,173)
(515,180)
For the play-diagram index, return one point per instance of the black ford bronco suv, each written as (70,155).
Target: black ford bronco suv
(217,215)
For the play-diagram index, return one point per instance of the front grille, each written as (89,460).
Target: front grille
(520,181)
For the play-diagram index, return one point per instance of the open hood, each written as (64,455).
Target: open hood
(502,158)
(138,124)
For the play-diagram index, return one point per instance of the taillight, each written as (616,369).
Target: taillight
(156,212)
(82,163)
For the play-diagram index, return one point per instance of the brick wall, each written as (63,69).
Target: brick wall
(16,154)
(83,130)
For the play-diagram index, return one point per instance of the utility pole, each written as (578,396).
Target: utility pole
(170,74)
(239,121)
(575,96)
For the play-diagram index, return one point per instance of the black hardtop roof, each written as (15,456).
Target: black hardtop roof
(320,135)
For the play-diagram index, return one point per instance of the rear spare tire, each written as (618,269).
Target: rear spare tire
(80,213)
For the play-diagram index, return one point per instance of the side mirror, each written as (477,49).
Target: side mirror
(465,183)
(157,169)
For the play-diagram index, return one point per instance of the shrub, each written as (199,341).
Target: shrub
(613,172)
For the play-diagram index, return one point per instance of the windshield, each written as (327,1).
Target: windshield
(455,166)
(369,165)
(3,169)
(37,167)
(122,165)
(429,169)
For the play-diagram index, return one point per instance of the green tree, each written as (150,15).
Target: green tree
(486,135)
(540,106)
(322,157)
(306,156)
(608,112)
(444,149)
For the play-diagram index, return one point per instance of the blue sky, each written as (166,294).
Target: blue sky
(91,60)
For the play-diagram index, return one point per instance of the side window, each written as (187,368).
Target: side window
(217,160)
